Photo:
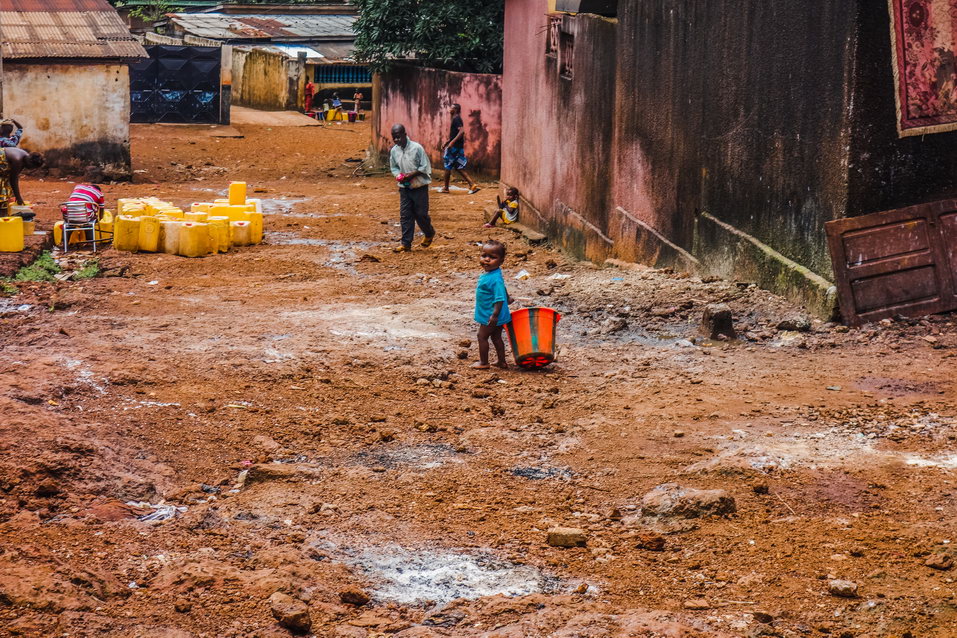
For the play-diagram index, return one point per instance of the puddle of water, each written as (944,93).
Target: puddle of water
(280,206)
(284,238)
(8,306)
(342,254)
(410,577)
(422,457)
(541,473)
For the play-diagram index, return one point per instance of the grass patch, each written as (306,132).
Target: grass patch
(8,290)
(42,269)
(90,270)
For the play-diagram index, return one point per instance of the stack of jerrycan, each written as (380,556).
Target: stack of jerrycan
(153,225)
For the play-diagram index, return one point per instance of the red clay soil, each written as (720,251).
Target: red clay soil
(303,417)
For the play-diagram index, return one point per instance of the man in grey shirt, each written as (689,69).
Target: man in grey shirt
(413,171)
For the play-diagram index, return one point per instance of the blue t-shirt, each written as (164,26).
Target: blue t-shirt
(489,291)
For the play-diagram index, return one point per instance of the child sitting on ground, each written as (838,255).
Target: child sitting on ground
(507,210)
(491,304)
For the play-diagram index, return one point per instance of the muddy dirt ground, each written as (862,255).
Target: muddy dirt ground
(182,439)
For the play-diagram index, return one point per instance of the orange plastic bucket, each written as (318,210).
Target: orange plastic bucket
(532,335)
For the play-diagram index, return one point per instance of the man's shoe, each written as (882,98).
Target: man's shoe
(402,249)
(427,242)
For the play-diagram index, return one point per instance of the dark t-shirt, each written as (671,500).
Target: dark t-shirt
(457,125)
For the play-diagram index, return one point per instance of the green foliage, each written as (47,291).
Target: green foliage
(89,270)
(460,35)
(42,269)
(8,290)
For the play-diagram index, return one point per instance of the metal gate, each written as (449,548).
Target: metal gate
(898,262)
(176,84)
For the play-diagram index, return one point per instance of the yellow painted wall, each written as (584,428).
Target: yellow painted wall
(77,115)
(265,80)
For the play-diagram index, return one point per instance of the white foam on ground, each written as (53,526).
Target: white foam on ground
(813,450)
(411,577)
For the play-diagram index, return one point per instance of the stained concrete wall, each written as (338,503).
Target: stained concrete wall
(750,126)
(267,80)
(558,131)
(714,136)
(420,99)
(77,115)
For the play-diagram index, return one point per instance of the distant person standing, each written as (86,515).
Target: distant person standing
(357,98)
(8,137)
(309,92)
(412,170)
(453,153)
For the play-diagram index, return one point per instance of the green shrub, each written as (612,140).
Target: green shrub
(42,269)
(90,270)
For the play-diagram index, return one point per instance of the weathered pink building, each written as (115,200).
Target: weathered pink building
(420,99)
(714,136)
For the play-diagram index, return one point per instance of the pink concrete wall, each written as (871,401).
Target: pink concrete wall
(420,99)
(558,131)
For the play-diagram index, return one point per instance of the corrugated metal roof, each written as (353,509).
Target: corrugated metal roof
(222,26)
(55,6)
(292,50)
(320,53)
(335,51)
(66,34)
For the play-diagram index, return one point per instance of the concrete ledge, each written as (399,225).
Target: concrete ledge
(727,252)
(531,236)
(648,246)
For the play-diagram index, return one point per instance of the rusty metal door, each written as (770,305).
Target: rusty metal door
(897,262)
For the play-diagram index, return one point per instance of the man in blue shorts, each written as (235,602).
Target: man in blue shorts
(453,153)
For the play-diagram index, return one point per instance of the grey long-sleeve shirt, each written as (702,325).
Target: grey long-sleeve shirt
(410,159)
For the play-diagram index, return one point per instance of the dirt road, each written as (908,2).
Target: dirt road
(300,418)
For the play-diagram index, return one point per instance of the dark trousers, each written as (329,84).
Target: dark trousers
(414,209)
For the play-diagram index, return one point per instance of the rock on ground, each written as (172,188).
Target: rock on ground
(291,613)
(717,322)
(842,588)
(940,561)
(670,500)
(354,596)
(566,537)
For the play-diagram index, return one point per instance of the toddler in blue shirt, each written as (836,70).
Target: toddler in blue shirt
(491,304)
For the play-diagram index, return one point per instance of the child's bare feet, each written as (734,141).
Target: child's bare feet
(490,225)
(478,365)
(502,364)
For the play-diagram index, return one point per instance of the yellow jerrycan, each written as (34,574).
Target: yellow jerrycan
(169,236)
(149,236)
(241,233)
(225,241)
(237,193)
(256,227)
(126,231)
(11,234)
(193,240)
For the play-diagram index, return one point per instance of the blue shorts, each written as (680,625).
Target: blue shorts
(454,158)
